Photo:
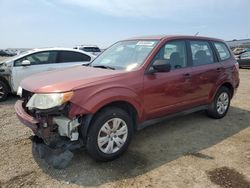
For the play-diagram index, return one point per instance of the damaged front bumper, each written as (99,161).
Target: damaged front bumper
(25,118)
(47,124)
(56,133)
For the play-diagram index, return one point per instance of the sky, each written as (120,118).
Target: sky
(66,23)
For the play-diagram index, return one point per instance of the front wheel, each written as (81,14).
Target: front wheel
(110,134)
(3,91)
(219,107)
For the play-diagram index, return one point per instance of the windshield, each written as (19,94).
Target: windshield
(125,55)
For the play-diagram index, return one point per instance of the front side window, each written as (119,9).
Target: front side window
(39,58)
(201,53)
(174,53)
(222,50)
(68,57)
(125,55)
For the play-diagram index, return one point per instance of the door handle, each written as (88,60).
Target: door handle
(187,75)
(219,69)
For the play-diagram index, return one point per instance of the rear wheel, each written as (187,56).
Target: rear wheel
(109,134)
(3,91)
(219,107)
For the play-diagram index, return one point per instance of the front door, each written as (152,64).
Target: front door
(169,92)
(39,62)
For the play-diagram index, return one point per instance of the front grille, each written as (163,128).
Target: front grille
(26,95)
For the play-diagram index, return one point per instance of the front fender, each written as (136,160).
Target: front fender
(92,101)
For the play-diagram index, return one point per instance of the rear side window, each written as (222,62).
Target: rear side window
(68,57)
(202,53)
(222,50)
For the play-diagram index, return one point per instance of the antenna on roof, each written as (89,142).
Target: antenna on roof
(196,34)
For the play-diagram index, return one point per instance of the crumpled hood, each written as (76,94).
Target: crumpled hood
(67,79)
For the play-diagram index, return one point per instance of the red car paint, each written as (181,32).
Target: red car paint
(152,95)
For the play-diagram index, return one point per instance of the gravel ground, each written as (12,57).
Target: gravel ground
(189,151)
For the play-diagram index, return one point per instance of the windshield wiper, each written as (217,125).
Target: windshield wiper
(86,64)
(104,67)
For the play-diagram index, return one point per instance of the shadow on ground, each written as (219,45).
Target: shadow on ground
(153,147)
(10,100)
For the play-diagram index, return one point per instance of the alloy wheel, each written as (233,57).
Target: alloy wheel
(112,135)
(2,92)
(222,103)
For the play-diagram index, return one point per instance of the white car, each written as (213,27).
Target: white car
(13,70)
(93,49)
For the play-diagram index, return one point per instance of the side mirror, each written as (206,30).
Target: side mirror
(161,66)
(25,63)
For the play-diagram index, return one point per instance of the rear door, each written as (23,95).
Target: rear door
(70,58)
(39,62)
(205,69)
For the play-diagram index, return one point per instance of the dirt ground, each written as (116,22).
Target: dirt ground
(190,151)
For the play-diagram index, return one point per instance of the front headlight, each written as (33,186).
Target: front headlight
(19,91)
(46,101)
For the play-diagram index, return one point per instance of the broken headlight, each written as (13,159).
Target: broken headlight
(47,101)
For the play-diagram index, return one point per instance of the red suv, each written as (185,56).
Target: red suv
(130,85)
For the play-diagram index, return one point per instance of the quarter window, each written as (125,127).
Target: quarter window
(39,58)
(222,50)
(174,53)
(201,53)
(66,57)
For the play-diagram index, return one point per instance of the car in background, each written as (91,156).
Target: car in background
(244,59)
(6,53)
(238,51)
(13,70)
(95,50)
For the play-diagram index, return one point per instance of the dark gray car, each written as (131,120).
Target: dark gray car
(244,59)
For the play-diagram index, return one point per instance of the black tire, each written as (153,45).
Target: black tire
(212,110)
(3,91)
(99,120)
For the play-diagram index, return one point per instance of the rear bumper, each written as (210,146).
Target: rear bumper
(25,118)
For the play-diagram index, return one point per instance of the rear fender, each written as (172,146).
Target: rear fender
(216,88)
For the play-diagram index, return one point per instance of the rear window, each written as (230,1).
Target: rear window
(65,57)
(222,50)
(91,49)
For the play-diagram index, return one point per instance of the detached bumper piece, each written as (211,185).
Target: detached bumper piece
(58,158)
